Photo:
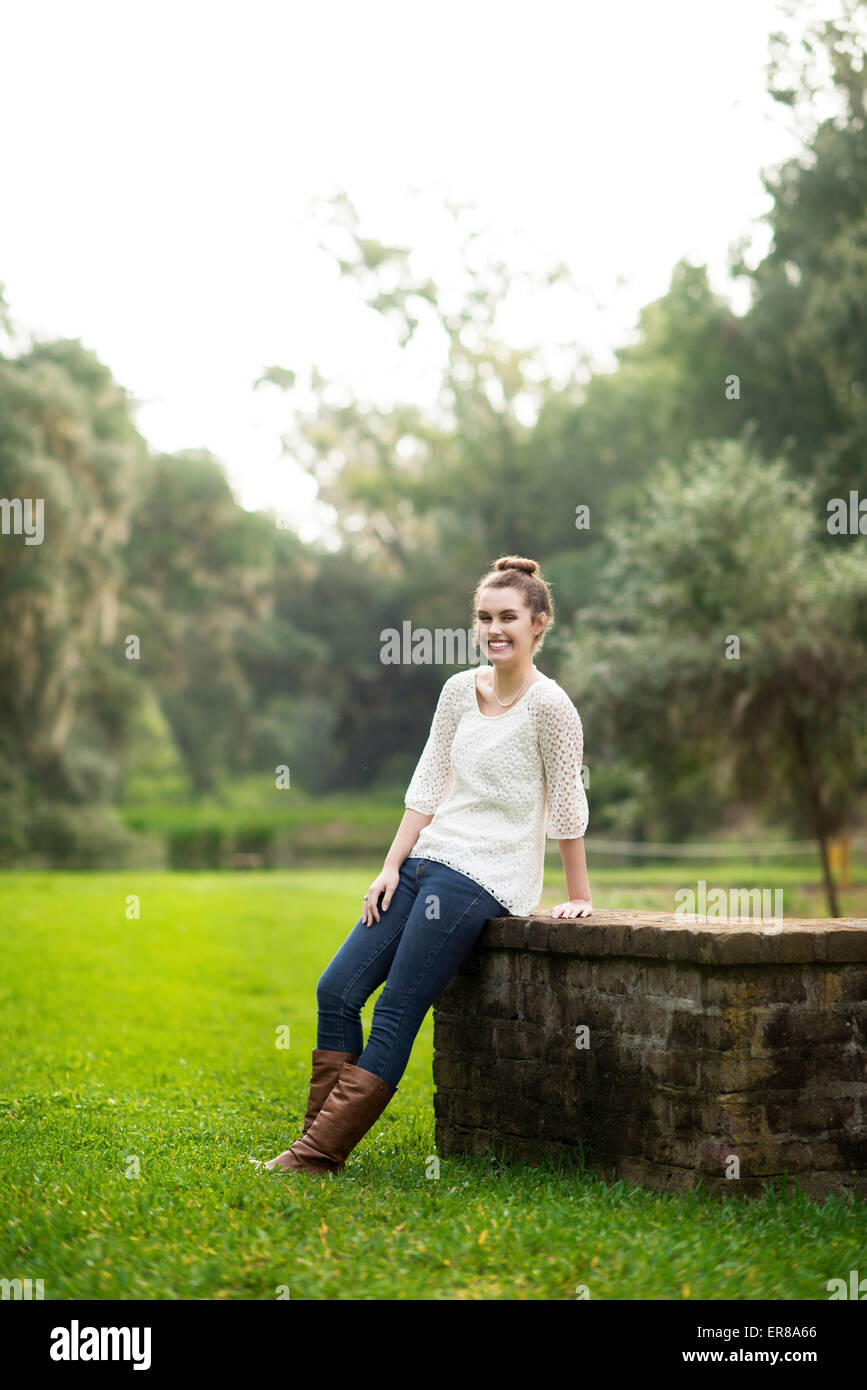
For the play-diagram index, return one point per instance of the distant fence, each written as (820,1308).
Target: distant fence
(729,849)
(839,851)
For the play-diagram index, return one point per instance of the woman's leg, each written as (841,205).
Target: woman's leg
(360,966)
(445,917)
(441,929)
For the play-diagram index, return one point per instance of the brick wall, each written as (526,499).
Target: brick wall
(711,1050)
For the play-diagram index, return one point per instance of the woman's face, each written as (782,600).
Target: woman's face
(507,632)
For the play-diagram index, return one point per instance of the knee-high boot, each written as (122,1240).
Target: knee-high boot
(354,1105)
(326,1066)
(326,1069)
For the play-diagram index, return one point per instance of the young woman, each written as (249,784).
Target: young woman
(500,769)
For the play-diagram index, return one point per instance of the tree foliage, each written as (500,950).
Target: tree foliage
(707,512)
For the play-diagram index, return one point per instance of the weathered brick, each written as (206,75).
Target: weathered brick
(667,1146)
(455,1034)
(701,1031)
(824,1065)
(732,946)
(561,1125)
(671,980)
(728,1118)
(794,1156)
(497,1000)
(483,1072)
(563,937)
(677,1069)
(790,947)
(849,983)
(517,1039)
(459,994)
(639,1018)
(470,1108)
(512,932)
(452,1070)
(808,1115)
(750,986)
(616,1061)
(537,936)
(844,942)
(792,1027)
(529,968)
(733,1072)
(577,937)
(498,966)
(621,977)
(594,1010)
(581,974)
(442,1104)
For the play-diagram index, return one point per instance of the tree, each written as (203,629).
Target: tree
(67,442)
(730,636)
(804,359)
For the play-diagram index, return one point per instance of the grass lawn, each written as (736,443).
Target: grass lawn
(140,1074)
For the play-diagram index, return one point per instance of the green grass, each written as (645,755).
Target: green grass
(290,808)
(284,825)
(154,1039)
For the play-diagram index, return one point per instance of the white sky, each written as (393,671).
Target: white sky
(159,160)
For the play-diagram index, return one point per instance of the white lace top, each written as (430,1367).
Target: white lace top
(496,785)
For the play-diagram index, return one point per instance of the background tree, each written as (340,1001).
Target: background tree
(65,439)
(805,365)
(725,549)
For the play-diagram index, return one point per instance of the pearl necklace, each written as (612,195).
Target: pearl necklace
(514,697)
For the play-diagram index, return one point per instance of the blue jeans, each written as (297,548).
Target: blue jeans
(432,922)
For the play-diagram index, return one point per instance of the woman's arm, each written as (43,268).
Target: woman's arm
(561,743)
(580,902)
(389,876)
(432,778)
(428,786)
(407,833)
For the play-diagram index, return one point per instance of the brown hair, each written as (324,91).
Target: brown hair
(515,571)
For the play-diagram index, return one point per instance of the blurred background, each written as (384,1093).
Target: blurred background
(306,319)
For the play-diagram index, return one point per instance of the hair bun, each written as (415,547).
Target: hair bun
(517,562)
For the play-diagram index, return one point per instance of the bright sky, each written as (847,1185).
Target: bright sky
(159,162)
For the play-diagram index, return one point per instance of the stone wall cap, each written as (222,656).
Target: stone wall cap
(675,936)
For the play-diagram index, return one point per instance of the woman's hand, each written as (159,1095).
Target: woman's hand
(385,882)
(576,907)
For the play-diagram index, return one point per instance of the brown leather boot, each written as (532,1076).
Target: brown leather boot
(326,1069)
(356,1102)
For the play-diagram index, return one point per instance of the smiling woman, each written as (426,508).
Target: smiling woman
(502,766)
(512,777)
(501,769)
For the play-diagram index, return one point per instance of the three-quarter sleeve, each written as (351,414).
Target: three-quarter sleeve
(561,743)
(432,778)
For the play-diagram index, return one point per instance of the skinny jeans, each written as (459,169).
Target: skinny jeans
(432,922)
